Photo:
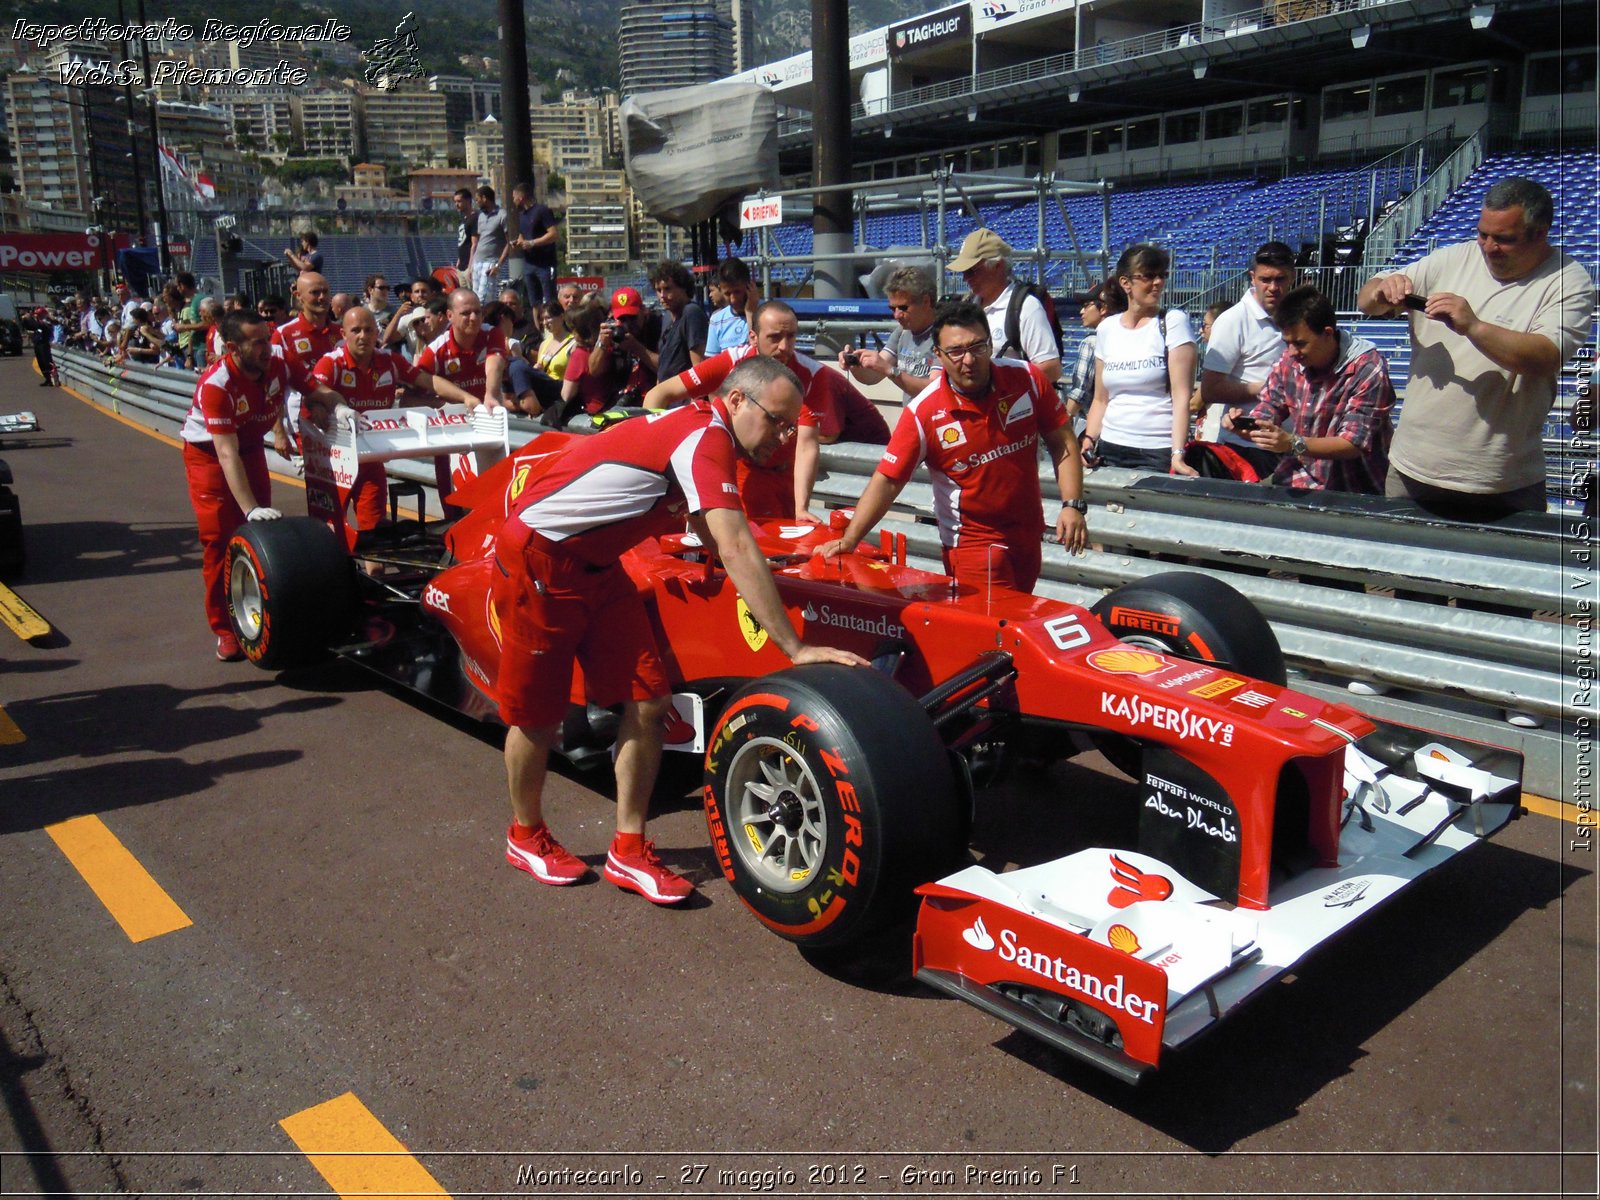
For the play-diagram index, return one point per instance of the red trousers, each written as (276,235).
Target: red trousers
(1015,565)
(218,516)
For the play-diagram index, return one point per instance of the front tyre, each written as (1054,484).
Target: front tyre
(291,590)
(829,797)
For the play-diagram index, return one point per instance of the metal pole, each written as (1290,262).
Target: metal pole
(830,71)
(155,139)
(516,123)
(133,140)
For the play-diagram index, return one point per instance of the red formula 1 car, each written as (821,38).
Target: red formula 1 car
(1268,820)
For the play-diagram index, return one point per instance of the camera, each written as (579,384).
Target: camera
(1415,302)
(852,358)
(1244,424)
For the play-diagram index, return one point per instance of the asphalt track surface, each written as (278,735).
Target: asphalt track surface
(354,931)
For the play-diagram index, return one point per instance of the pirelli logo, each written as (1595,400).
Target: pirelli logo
(1217,687)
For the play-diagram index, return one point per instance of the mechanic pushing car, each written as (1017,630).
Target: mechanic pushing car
(978,427)
(238,401)
(562,595)
(366,379)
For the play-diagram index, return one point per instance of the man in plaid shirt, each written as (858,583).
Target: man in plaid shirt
(1325,405)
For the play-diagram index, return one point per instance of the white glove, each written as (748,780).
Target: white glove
(343,414)
(261,513)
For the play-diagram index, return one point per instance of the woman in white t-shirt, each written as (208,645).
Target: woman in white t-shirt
(1143,372)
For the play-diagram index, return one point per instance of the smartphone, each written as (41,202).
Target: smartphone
(1415,302)
(1244,424)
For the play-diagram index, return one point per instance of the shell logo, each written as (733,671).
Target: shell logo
(1124,939)
(1127,662)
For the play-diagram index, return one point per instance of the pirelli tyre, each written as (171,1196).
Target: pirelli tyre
(291,590)
(829,797)
(1193,616)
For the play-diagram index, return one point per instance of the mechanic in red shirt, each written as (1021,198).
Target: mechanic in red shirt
(469,356)
(365,379)
(238,402)
(778,488)
(561,594)
(978,428)
(302,341)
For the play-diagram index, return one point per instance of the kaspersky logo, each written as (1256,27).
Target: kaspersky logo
(1112,995)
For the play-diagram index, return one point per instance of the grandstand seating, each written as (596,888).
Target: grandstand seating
(348,260)
(1571,179)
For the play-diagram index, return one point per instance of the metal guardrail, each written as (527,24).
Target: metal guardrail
(1322,569)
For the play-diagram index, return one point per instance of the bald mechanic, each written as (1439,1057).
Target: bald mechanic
(364,379)
(562,594)
(978,427)
(833,410)
(303,341)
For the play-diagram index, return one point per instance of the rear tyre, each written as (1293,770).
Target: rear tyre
(1190,616)
(291,590)
(829,797)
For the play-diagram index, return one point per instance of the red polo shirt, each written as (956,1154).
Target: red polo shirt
(468,370)
(366,388)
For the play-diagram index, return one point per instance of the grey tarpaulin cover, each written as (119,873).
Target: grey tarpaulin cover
(690,149)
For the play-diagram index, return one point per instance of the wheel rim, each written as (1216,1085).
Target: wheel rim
(780,827)
(244,593)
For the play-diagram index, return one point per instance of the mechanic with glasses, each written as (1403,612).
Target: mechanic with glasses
(978,427)
(561,595)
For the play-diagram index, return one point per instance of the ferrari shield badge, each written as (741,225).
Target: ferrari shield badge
(754,635)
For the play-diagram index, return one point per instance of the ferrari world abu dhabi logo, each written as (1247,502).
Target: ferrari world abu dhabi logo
(1109,995)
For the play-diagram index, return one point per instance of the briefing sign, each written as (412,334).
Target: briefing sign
(50,251)
(946,25)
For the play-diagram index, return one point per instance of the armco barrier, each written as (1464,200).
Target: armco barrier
(1322,568)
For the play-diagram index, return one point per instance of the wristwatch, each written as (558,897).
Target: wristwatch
(1081,505)
(1297,445)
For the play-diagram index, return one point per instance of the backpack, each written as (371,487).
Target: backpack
(1019,293)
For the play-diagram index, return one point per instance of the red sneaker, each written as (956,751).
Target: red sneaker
(646,874)
(541,856)
(228,648)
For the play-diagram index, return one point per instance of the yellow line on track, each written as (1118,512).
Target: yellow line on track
(128,891)
(167,438)
(1558,809)
(18,616)
(10,733)
(352,1150)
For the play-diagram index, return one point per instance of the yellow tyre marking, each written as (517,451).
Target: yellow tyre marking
(352,1150)
(17,616)
(128,891)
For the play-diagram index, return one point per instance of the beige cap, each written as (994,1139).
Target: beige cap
(980,246)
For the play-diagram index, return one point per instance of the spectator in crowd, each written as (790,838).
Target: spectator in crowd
(1144,371)
(1242,348)
(127,301)
(490,245)
(729,326)
(983,263)
(1491,324)
(356,376)
(466,233)
(564,596)
(427,323)
(1323,410)
(1078,391)
(140,340)
(531,390)
(339,304)
(537,233)
(625,355)
(501,317)
(272,308)
(558,341)
(190,327)
(418,293)
(309,257)
(1197,404)
(375,297)
(581,389)
(908,360)
(568,294)
(238,302)
(211,343)
(978,428)
(683,330)
(771,488)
